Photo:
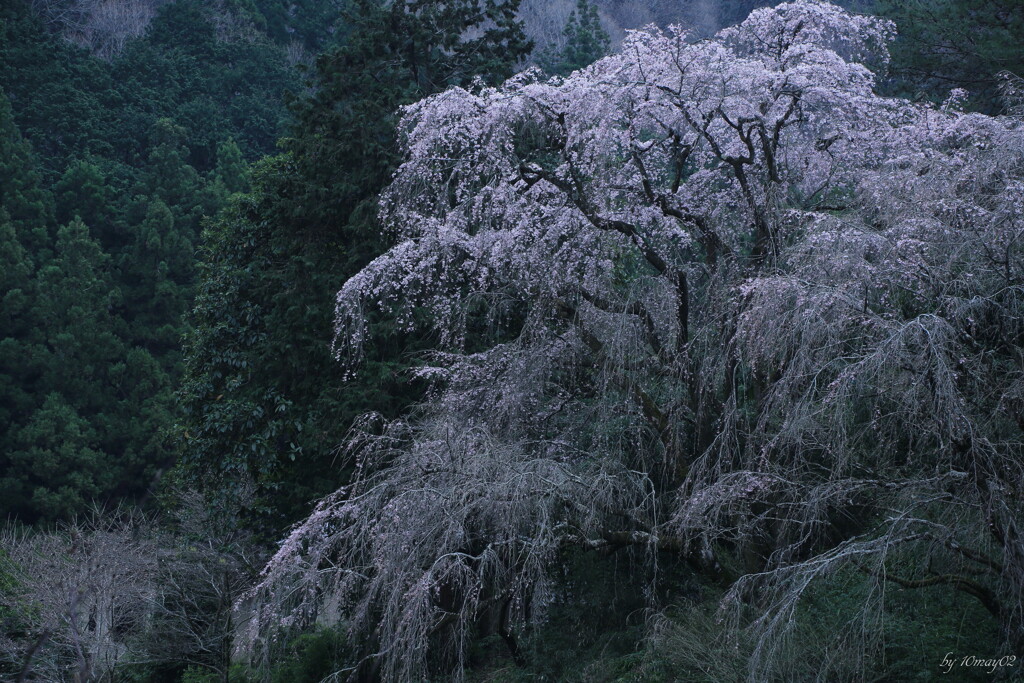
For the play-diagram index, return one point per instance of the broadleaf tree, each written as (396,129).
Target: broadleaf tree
(754,318)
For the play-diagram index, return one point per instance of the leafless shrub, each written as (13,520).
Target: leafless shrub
(544,22)
(1012,90)
(79,593)
(233,26)
(296,53)
(103,27)
(205,568)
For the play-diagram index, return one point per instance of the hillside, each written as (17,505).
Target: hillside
(510,340)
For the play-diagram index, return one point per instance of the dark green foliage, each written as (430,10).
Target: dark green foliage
(28,207)
(82,410)
(133,154)
(597,620)
(946,44)
(585,42)
(597,626)
(231,173)
(224,349)
(215,86)
(158,273)
(69,104)
(16,300)
(309,658)
(57,467)
(84,191)
(74,298)
(309,22)
(312,657)
(906,639)
(263,395)
(141,149)
(64,102)
(166,174)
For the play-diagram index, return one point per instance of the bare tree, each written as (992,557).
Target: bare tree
(205,568)
(103,27)
(78,594)
(113,591)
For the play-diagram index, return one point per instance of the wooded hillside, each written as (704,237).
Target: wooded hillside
(493,340)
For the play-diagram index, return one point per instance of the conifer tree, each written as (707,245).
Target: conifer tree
(16,300)
(15,272)
(82,411)
(56,465)
(586,41)
(947,44)
(83,191)
(93,318)
(74,304)
(231,172)
(263,395)
(158,273)
(29,207)
(169,177)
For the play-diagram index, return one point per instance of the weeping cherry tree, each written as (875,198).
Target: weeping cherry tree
(709,300)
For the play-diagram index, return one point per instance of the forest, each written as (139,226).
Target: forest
(511,340)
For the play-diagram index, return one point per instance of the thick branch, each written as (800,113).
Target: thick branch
(962,583)
(532,173)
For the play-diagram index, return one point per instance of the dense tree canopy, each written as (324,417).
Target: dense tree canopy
(947,44)
(748,314)
(263,395)
(109,168)
(697,361)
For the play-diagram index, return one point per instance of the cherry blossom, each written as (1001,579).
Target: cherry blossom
(732,296)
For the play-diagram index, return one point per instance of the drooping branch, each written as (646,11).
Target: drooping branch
(790,413)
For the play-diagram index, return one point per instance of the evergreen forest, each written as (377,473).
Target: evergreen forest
(511,340)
